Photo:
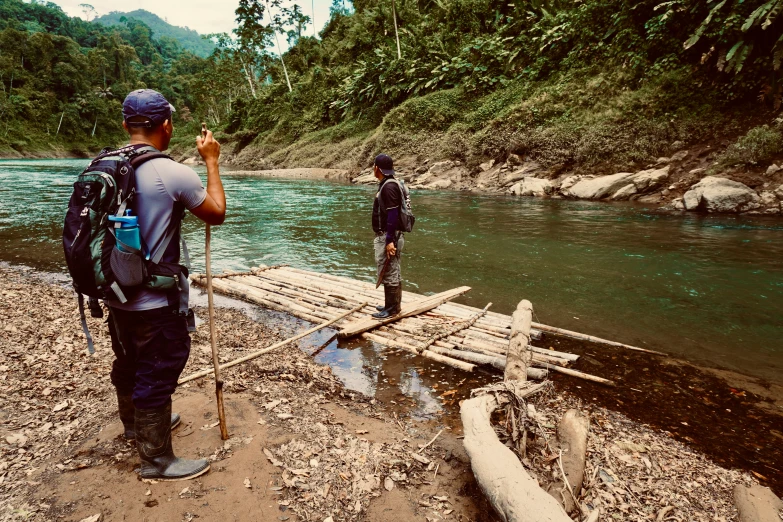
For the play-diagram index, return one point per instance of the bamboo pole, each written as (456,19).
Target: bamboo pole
(258,353)
(213,336)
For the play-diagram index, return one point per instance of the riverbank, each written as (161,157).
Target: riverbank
(304,446)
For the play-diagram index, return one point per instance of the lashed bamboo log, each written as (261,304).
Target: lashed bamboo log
(459,327)
(574,373)
(415,308)
(258,353)
(392,343)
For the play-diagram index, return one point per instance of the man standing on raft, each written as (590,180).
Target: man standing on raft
(389,240)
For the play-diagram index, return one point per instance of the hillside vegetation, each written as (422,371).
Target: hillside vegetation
(185,37)
(588,84)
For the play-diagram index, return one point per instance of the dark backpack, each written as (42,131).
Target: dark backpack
(100,270)
(407,219)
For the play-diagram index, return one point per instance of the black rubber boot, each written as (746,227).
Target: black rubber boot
(392,302)
(396,299)
(128,416)
(388,302)
(153,440)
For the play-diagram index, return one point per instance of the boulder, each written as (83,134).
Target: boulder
(531,186)
(721,195)
(768,198)
(487,165)
(648,180)
(779,192)
(599,187)
(440,184)
(697,171)
(513,160)
(441,167)
(772,169)
(528,169)
(365,179)
(625,192)
(189,161)
(757,504)
(679,156)
(569,182)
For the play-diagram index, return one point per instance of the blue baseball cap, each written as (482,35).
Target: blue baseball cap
(385,163)
(147,104)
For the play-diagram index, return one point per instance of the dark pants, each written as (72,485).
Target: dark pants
(151,348)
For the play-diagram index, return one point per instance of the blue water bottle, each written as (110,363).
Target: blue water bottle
(128,234)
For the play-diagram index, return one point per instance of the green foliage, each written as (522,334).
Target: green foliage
(183,37)
(760,144)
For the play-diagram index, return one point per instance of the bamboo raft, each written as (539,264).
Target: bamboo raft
(453,334)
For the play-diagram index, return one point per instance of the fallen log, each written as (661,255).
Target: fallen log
(511,491)
(268,349)
(572,435)
(415,308)
(519,357)
(757,504)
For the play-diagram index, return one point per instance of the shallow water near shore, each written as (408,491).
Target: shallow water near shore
(708,288)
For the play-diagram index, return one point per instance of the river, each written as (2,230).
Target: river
(707,288)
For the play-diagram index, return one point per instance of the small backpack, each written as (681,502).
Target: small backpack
(98,268)
(407,219)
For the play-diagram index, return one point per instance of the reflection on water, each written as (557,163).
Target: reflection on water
(709,288)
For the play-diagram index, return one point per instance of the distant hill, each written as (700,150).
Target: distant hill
(187,38)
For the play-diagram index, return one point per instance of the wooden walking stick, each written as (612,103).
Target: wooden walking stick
(212,334)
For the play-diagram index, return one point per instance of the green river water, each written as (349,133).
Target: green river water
(708,288)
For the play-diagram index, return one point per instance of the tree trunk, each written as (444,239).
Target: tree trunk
(285,71)
(511,491)
(396,34)
(572,435)
(519,357)
(95,126)
(249,78)
(59,124)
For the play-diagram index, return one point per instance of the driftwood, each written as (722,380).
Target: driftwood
(268,349)
(572,435)
(574,373)
(415,308)
(519,357)
(757,504)
(511,491)
(592,339)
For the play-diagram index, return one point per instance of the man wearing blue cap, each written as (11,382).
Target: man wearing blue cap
(149,332)
(389,240)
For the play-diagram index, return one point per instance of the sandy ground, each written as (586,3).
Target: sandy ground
(302,446)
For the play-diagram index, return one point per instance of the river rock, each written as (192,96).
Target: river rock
(721,195)
(513,160)
(772,169)
(568,182)
(599,187)
(648,180)
(189,161)
(364,179)
(768,198)
(441,167)
(531,186)
(779,192)
(679,156)
(625,192)
(487,165)
(440,184)
(757,504)
(528,169)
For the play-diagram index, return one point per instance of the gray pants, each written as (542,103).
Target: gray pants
(393,274)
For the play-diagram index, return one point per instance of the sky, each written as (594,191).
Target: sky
(205,16)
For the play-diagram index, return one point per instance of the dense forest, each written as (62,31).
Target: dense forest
(187,38)
(565,82)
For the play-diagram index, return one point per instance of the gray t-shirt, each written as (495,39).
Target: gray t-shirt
(160,183)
